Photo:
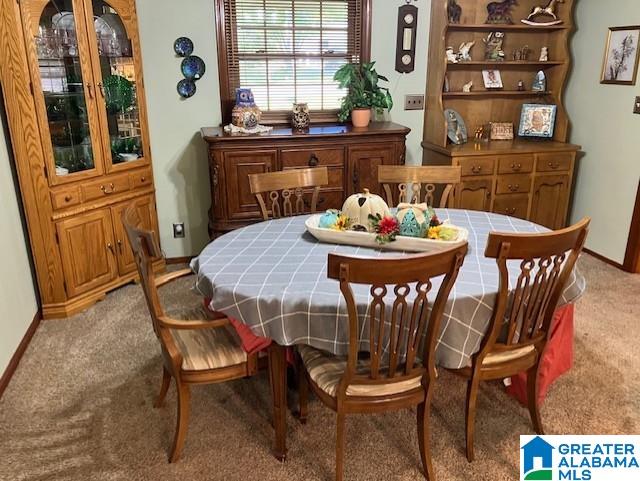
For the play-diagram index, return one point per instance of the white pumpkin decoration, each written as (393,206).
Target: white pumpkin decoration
(420,211)
(358,207)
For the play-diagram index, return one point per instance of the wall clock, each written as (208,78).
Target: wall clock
(406,42)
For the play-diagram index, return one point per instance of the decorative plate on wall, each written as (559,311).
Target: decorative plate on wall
(193,67)
(183,46)
(186,88)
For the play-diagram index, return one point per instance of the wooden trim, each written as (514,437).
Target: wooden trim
(178,260)
(632,254)
(17,356)
(604,259)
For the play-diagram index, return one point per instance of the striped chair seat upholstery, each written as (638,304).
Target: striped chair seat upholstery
(326,370)
(204,349)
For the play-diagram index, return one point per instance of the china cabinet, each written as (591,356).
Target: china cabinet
(74,95)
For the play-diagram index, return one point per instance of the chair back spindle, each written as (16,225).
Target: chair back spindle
(415,183)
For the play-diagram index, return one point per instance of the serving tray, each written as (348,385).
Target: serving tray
(366,239)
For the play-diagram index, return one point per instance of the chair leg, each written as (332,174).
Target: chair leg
(532,399)
(166,382)
(424,437)
(184,398)
(303,392)
(340,446)
(472,397)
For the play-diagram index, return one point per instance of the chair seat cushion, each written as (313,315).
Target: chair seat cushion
(506,356)
(326,371)
(204,349)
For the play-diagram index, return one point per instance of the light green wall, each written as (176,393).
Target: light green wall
(18,303)
(603,123)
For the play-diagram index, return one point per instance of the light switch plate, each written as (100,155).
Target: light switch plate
(414,102)
(636,106)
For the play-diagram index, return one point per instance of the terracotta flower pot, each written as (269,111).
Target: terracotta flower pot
(361,117)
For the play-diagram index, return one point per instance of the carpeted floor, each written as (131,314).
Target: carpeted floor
(80,405)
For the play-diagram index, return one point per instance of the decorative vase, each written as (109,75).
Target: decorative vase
(361,117)
(300,118)
(246,113)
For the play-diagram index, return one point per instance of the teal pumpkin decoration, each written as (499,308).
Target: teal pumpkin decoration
(328,219)
(410,227)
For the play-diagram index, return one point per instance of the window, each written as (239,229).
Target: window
(287,51)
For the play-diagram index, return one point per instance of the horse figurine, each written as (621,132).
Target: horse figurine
(500,12)
(548,10)
(454,11)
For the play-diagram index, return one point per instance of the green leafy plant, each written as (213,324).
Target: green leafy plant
(364,92)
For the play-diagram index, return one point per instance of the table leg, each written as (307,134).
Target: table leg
(278,380)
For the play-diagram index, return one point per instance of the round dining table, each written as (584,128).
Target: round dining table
(272,277)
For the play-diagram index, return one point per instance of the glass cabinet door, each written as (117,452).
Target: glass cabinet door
(63,88)
(116,62)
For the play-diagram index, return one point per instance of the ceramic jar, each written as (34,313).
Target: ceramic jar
(246,113)
(300,118)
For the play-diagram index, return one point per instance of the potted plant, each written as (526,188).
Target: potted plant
(364,94)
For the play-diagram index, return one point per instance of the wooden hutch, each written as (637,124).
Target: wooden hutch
(71,76)
(530,179)
(351,155)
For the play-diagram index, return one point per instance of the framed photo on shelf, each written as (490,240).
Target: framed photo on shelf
(538,120)
(501,131)
(492,79)
(621,57)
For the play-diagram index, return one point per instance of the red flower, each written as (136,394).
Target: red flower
(388,225)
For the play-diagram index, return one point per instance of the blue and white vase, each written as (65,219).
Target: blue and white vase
(245,113)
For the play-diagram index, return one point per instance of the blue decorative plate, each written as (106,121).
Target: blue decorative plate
(186,88)
(193,67)
(183,46)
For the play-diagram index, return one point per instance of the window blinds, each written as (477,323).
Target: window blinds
(287,51)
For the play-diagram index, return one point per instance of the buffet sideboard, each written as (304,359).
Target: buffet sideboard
(351,155)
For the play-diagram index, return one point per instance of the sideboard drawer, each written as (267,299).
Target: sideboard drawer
(140,179)
(65,198)
(108,186)
(312,158)
(513,184)
(554,162)
(514,205)
(515,164)
(474,166)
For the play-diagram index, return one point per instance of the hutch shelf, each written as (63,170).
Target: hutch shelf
(531,179)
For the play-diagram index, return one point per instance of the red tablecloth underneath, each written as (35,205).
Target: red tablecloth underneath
(556,359)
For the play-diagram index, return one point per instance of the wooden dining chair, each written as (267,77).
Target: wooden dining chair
(201,351)
(281,186)
(521,321)
(401,334)
(410,180)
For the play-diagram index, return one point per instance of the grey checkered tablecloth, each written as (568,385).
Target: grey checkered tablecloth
(272,276)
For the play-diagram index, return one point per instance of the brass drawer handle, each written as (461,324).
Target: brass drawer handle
(67,198)
(514,188)
(510,210)
(110,247)
(143,178)
(553,165)
(516,167)
(476,169)
(111,190)
(313,160)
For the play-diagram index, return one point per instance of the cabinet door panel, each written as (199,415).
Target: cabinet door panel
(476,194)
(550,197)
(147,213)
(363,166)
(87,250)
(241,203)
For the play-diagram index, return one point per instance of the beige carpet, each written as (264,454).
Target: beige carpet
(80,406)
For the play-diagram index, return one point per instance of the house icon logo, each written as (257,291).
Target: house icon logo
(537,460)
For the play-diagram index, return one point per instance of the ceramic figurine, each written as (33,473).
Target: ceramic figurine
(540,82)
(522,53)
(246,113)
(521,86)
(410,227)
(548,10)
(451,56)
(544,54)
(464,55)
(456,129)
(300,118)
(467,87)
(500,12)
(493,47)
(454,11)
(358,207)
(517,55)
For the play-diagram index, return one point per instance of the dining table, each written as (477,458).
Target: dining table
(271,278)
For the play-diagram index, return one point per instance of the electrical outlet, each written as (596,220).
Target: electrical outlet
(636,106)
(414,102)
(178,230)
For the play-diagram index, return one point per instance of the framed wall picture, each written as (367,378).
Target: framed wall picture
(621,57)
(492,79)
(537,120)
(501,131)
